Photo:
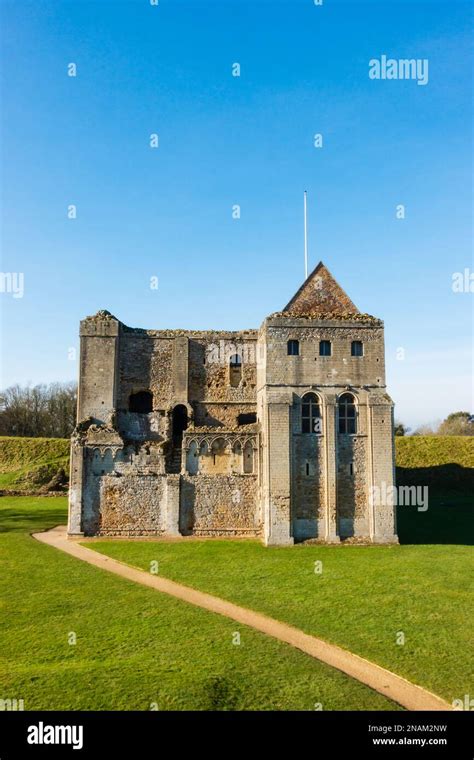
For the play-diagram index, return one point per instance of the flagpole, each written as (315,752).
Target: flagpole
(305,239)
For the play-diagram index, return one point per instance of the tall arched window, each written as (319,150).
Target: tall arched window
(235,370)
(347,414)
(311,420)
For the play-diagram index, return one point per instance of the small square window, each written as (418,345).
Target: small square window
(325,348)
(293,348)
(357,348)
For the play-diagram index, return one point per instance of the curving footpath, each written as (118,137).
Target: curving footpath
(398,689)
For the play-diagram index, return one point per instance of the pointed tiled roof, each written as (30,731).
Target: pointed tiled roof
(320,294)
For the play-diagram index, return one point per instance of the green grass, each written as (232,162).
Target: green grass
(361,600)
(26,463)
(135,646)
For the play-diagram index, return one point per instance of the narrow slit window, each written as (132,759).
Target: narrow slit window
(235,370)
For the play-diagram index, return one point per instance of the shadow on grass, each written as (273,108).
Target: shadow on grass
(449,518)
(16,521)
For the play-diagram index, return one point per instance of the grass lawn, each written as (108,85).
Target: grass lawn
(362,599)
(136,647)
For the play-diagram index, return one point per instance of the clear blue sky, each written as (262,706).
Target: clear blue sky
(224,140)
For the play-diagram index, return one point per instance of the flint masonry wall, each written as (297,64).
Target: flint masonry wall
(352,476)
(219,505)
(308,495)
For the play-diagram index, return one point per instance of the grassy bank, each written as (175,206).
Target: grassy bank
(27,464)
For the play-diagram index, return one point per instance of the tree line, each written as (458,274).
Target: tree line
(41,411)
(457,423)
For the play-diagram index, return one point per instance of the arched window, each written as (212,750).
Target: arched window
(347,414)
(235,370)
(141,402)
(357,348)
(311,421)
(293,348)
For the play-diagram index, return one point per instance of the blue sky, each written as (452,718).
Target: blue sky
(247,140)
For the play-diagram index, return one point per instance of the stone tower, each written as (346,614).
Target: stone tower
(281,433)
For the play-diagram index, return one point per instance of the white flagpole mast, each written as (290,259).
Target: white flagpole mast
(305,239)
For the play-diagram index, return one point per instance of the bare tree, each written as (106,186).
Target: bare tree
(47,411)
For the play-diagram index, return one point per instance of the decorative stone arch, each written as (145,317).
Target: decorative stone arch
(237,446)
(236,450)
(204,447)
(248,457)
(103,460)
(224,446)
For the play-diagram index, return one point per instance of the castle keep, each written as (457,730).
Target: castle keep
(279,433)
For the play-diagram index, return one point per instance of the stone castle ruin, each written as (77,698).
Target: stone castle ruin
(279,433)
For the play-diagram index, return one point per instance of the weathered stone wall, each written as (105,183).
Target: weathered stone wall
(159,361)
(339,369)
(222,414)
(308,485)
(352,486)
(98,367)
(209,372)
(145,363)
(144,427)
(219,505)
(133,505)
